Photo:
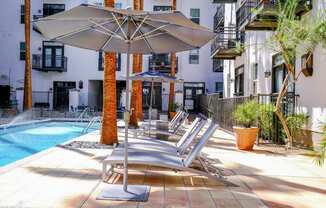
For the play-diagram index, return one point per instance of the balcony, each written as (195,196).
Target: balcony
(257,15)
(262,14)
(161,63)
(219,17)
(60,64)
(225,43)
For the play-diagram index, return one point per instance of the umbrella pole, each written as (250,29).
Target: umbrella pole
(126,118)
(150,108)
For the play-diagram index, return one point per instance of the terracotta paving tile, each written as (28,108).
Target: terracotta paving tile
(200,198)
(228,203)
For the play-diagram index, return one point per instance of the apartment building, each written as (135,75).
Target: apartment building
(259,70)
(59,70)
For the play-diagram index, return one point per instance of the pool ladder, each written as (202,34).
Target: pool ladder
(92,122)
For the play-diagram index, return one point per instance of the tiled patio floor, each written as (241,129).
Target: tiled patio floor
(265,178)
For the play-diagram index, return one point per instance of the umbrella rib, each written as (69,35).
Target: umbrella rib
(111,33)
(107,42)
(76,31)
(116,20)
(146,41)
(150,32)
(138,27)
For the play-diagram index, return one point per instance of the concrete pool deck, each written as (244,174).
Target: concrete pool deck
(267,177)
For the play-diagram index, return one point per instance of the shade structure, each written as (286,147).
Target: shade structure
(152,76)
(146,32)
(124,31)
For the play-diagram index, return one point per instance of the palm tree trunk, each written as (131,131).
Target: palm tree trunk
(109,133)
(137,89)
(28,69)
(173,68)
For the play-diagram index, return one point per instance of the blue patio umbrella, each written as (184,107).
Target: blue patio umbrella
(152,76)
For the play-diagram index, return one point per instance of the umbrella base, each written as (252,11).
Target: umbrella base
(115,192)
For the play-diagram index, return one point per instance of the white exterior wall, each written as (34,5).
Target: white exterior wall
(311,100)
(83,64)
(310,89)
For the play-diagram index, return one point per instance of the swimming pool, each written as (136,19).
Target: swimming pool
(25,140)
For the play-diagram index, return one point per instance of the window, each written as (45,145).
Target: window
(101,61)
(194,56)
(118,5)
(162,8)
(218,65)
(22,14)
(50,9)
(255,79)
(195,15)
(219,87)
(22,51)
(239,81)
(53,55)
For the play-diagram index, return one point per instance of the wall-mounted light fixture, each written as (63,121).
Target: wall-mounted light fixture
(307,65)
(268,74)
(80,84)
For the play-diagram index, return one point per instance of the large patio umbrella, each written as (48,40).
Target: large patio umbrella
(124,31)
(152,77)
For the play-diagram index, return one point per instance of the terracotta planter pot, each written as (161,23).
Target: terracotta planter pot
(245,137)
(172,114)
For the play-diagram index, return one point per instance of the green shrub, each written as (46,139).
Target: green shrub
(266,114)
(296,122)
(320,158)
(246,114)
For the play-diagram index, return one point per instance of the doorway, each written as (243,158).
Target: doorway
(191,92)
(61,94)
(4,96)
(157,95)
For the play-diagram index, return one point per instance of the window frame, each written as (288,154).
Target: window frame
(22,14)
(220,65)
(22,51)
(45,14)
(239,81)
(53,55)
(195,19)
(191,56)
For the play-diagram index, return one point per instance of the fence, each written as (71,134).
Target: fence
(221,111)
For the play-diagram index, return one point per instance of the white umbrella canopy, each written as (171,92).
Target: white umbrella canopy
(124,31)
(114,30)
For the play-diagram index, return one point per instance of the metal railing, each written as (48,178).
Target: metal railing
(162,65)
(39,59)
(221,110)
(247,8)
(219,17)
(227,38)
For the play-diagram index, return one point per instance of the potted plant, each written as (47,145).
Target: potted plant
(173,112)
(246,115)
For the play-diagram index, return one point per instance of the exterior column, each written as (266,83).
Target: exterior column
(109,133)
(28,70)
(173,69)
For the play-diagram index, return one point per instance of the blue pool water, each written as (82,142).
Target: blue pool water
(19,142)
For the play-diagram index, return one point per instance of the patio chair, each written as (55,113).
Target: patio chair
(178,148)
(139,157)
(173,127)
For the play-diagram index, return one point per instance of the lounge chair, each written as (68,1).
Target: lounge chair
(158,159)
(168,147)
(173,127)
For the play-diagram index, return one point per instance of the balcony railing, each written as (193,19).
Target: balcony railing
(59,66)
(225,43)
(262,14)
(219,17)
(162,65)
(257,15)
